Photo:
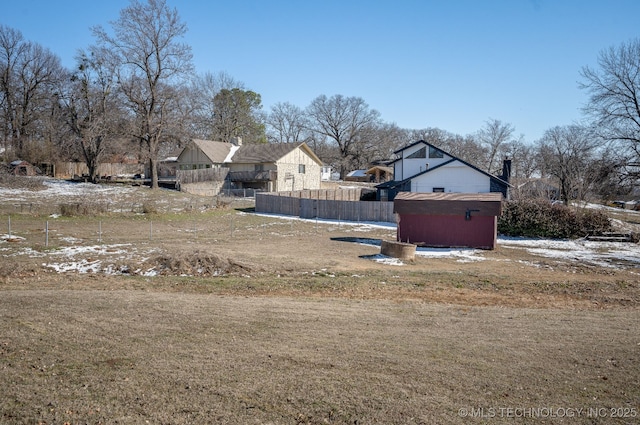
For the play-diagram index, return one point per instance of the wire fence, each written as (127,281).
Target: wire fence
(208,229)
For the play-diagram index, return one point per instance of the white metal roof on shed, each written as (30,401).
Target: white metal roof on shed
(357,173)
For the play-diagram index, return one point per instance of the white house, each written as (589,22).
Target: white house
(423,168)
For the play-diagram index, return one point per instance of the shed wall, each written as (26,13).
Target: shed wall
(448,230)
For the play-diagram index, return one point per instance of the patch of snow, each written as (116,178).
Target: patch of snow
(12,238)
(62,189)
(383,259)
(463,254)
(82,266)
(70,239)
(233,150)
(604,254)
(361,225)
(72,251)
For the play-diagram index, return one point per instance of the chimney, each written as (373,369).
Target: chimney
(236,141)
(506,170)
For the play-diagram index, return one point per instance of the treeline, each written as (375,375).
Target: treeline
(134,92)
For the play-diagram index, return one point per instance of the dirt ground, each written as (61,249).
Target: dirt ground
(195,314)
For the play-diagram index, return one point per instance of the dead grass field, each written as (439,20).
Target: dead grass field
(252,319)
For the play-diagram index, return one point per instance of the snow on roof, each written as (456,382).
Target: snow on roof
(357,173)
(232,152)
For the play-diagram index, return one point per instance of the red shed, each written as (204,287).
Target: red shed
(448,219)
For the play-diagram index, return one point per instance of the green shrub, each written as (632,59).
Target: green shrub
(544,220)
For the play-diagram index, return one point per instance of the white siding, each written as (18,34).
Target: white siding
(411,166)
(454,177)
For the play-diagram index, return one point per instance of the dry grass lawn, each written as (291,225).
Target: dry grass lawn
(251,319)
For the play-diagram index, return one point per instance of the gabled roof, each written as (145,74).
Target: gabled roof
(272,152)
(453,159)
(217,152)
(357,173)
(416,143)
(18,162)
(373,169)
(223,152)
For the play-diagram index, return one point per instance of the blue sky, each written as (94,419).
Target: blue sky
(450,64)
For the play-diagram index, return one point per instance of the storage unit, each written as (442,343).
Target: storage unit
(448,219)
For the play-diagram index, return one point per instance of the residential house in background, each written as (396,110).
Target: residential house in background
(380,173)
(423,168)
(327,174)
(266,167)
(357,176)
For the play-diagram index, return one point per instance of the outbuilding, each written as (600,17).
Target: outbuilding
(448,219)
(23,168)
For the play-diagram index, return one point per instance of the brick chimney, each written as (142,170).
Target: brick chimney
(506,170)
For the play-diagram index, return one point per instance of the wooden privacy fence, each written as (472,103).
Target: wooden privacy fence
(63,170)
(324,194)
(324,207)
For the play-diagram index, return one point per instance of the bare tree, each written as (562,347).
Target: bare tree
(521,155)
(286,123)
(92,107)
(492,136)
(29,74)
(341,120)
(12,50)
(466,148)
(152,60)
(204,90)
(376,143)
(614,95)
(567,153)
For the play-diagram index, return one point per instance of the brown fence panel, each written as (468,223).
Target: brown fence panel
(274,204)
(308,208)
(321,208)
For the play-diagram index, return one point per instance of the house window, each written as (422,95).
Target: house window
(434,152)
(420,153)
(301,168)
(438,190)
